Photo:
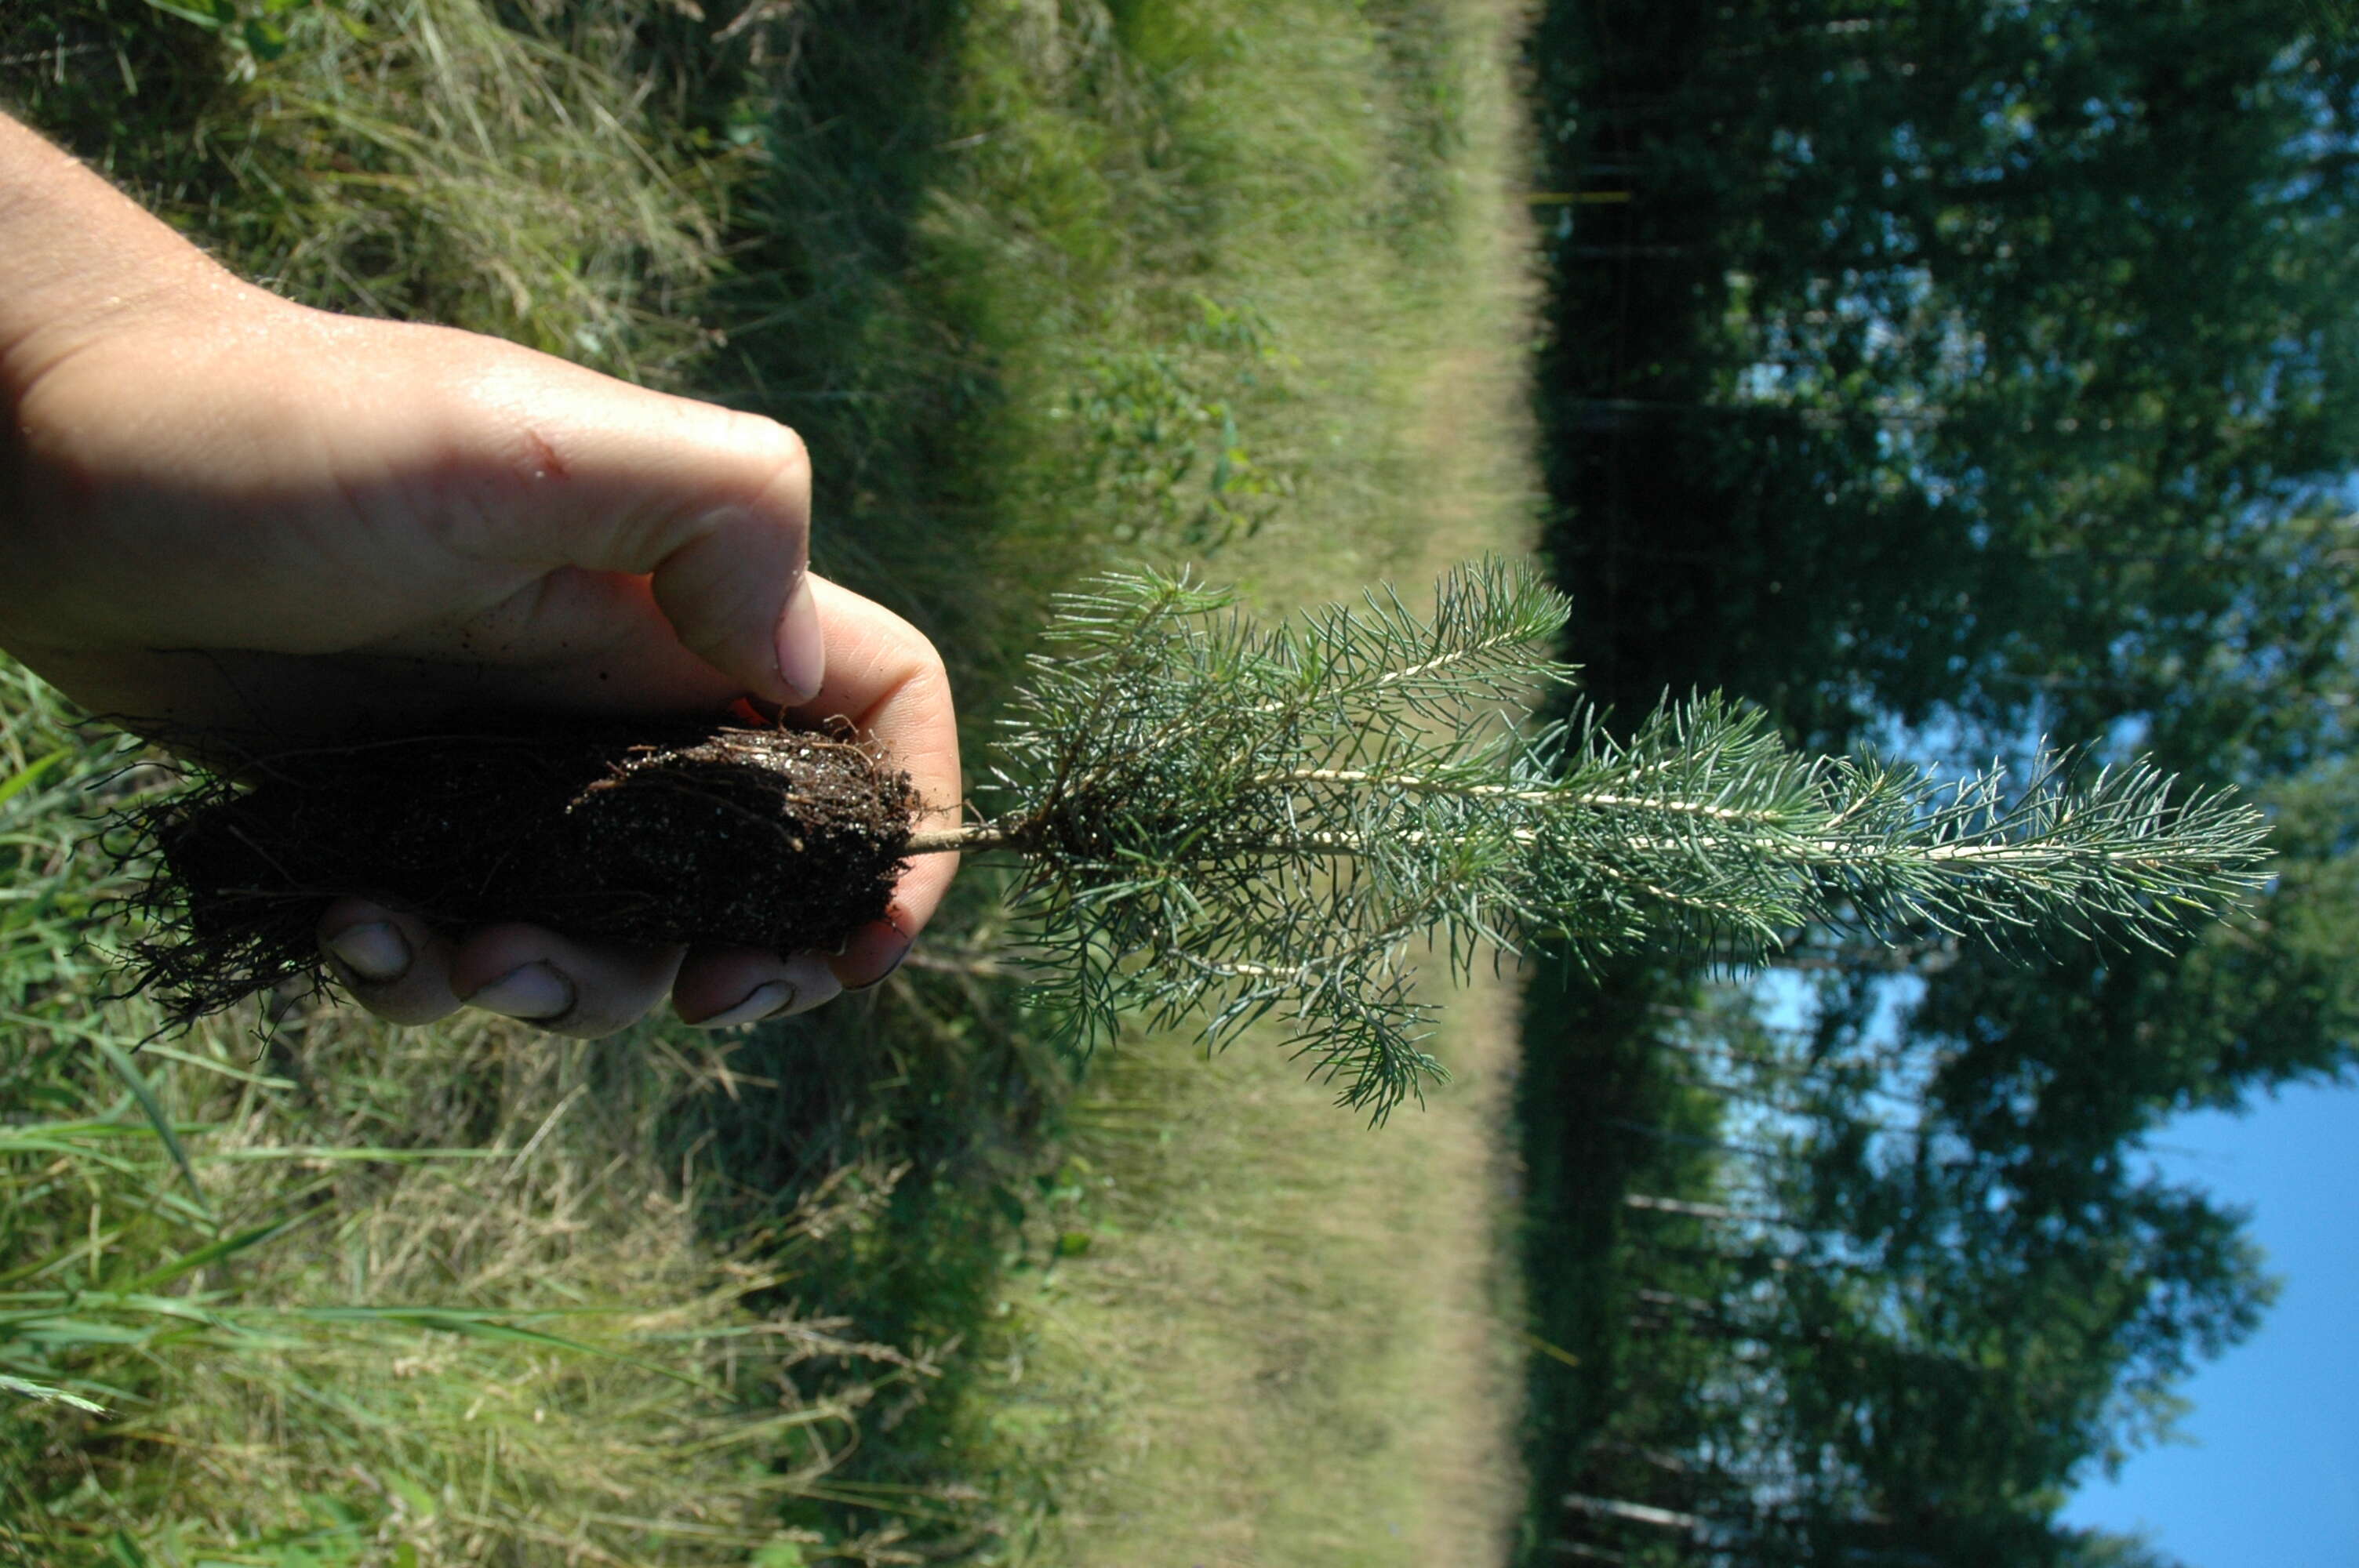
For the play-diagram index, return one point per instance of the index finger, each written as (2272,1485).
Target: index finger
(888,680)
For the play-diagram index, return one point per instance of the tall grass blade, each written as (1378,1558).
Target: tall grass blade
(145,1093)
(213,1252)
(485,1326)
(29,775)
(48,1395)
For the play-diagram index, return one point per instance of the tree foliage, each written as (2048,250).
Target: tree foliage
(1945,356)
(1226,820)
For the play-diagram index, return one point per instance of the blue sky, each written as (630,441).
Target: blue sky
(2271,1478)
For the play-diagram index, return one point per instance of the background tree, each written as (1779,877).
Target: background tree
(1941,374)
(1943,358)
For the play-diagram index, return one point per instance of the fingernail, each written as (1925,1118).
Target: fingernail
(875,951)
(802,656)
(375,951)
(772,997)
(815,984)
(535,992)
(883,974)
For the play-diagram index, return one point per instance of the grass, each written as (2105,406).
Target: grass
(1261,1344)
(328,1285)
(1044,284)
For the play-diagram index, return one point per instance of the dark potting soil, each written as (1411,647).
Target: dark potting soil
(777,838)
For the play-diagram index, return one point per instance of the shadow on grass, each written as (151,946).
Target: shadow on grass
(927,1093)
(834,323)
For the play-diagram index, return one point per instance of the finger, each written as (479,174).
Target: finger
(886,678)
(392,964)
(566,987)
(721,986)
(740,598)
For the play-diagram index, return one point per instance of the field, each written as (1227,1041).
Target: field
(1046,285)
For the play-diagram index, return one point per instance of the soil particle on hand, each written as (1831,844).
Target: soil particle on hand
(775,838)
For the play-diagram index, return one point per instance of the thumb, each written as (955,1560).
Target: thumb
(734,581)
(711,505)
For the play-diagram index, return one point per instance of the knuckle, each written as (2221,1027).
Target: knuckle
(785,462)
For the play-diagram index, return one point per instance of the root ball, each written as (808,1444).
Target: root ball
(775,838)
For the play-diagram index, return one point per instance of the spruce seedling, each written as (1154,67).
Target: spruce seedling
(1224,821)
(1221,821)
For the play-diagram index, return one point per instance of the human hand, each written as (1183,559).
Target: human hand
(228,520)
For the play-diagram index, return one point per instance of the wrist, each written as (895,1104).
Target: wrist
(78,259)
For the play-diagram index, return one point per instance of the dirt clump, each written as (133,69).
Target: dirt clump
(773,838)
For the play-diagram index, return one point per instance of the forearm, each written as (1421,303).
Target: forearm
(75,253)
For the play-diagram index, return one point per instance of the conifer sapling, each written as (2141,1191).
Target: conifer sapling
(1212,821)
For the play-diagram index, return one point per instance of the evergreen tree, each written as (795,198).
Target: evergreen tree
(1987,369)
(1946,357)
